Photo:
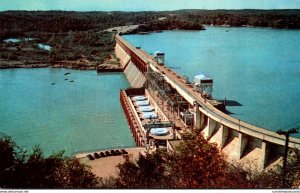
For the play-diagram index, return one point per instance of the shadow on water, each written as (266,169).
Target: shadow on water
(228,112)
(174,67)
(232,103)
(232,113)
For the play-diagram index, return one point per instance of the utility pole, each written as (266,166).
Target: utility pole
(287,134)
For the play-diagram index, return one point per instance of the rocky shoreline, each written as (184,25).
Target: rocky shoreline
(65,64)
(111,64)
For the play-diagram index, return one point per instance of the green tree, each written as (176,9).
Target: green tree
(21,170)
(196,163)
(149,171)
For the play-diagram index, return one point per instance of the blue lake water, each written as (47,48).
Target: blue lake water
(83,115)
(45,47)
(40,46)
(16,40)
(13,40)
(257,68)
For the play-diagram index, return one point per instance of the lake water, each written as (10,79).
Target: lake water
(257,69)
(40,107)
(16,40)
(40,46)
(45,47)
(13,40)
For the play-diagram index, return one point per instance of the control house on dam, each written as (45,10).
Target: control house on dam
(162,105)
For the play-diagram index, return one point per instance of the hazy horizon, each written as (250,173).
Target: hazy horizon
(143,5)
(141,10)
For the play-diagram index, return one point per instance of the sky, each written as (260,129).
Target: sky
(144,5)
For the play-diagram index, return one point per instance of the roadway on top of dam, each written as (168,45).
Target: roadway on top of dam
(190,95)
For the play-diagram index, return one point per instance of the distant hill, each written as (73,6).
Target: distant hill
(20,22)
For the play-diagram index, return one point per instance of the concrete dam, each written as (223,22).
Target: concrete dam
(174,107)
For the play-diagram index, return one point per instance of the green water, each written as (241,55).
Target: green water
(78,116)
(257,69)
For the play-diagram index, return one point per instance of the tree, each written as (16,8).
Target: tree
(149,171)
(196,163)
(9,161)
(21,170)
(273,178)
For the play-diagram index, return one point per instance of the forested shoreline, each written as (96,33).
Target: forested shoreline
(16,23)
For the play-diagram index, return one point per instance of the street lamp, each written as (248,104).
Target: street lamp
(287,134)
